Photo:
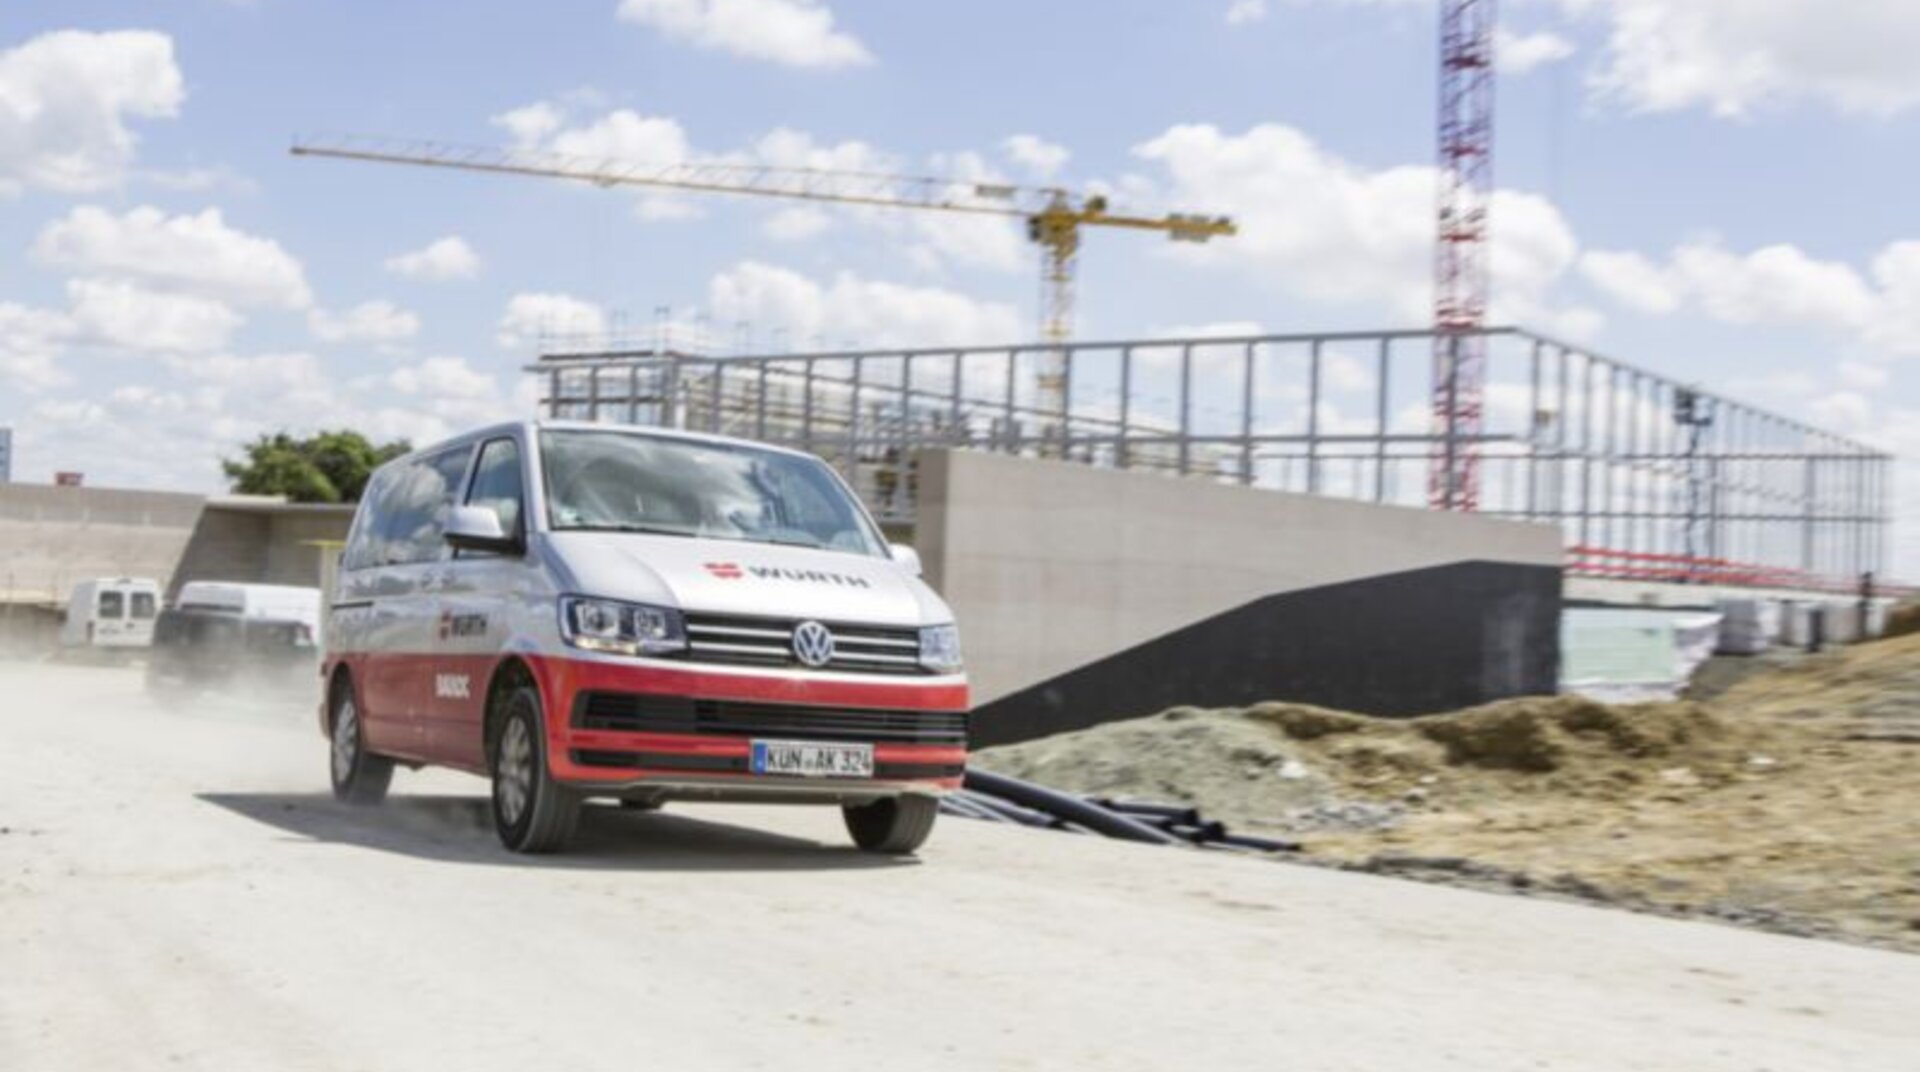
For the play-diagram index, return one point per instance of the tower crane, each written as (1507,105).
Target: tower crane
(1460,282)
(1054,215)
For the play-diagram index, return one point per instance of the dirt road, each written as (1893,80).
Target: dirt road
(177,891)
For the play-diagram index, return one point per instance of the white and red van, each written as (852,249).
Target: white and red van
(584,610)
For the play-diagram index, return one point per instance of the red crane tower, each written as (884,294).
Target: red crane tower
(1460,255)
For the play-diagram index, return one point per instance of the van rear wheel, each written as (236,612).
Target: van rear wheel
(359,776)
(531,812)
(895,826)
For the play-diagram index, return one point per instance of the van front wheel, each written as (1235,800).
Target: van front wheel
(895,826)
(531,812)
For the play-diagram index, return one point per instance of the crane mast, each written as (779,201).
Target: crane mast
(1460,253)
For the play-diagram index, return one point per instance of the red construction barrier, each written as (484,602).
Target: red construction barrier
(1585,561)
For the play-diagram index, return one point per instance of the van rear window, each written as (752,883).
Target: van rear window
(143,605)
(113,604)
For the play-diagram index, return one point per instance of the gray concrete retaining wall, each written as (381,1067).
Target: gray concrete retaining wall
(1052,565)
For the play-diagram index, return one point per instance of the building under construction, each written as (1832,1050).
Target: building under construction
(1648,477)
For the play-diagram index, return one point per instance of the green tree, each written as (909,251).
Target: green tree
(327,467)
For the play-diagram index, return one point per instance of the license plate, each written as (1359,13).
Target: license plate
(809,759)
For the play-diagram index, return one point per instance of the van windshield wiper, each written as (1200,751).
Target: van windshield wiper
(790,541)
(651,530)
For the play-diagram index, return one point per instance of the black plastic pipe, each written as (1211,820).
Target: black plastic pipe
(1007,809)
(1068,808)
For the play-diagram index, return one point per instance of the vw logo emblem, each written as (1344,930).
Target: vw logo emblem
(812,644)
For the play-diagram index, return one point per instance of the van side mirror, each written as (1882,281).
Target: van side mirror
(476,528)
(904,554)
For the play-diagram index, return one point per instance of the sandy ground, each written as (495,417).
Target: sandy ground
(1788,802)
(177,891)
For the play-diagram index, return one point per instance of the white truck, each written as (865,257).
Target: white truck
(111,612)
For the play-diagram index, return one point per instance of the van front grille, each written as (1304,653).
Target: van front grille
(859,649)
(629,712)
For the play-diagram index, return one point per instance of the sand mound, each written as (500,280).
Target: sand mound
(1256,764)
(1784,802)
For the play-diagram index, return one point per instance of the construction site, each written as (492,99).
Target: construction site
(1440,694)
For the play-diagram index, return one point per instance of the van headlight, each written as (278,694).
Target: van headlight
(621,628)
(940,648)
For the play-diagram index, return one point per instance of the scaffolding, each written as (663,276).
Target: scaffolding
(1647,476)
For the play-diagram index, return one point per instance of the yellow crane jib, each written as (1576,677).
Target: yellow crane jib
(1054,216)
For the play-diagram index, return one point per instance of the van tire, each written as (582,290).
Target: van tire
(359,776)
(895,826)
(531,812)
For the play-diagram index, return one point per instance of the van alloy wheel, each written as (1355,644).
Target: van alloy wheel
(359,776)
(532,813)
(346,740)
(515,783)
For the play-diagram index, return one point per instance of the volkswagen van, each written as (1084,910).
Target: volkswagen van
(579,611)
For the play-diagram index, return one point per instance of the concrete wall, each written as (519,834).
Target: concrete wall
(264,543)
(51,537)
(1052,565)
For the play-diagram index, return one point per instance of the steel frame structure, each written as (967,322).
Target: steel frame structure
(1706,488)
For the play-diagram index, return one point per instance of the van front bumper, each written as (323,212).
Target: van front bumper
(666,730)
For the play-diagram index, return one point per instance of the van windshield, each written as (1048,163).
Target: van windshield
(620,482)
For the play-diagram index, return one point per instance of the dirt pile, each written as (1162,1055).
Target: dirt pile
(1786,802)
(1260,764)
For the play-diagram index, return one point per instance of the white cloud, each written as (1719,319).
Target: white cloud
(795,33)
(1245,11)
(1317,227)
(1217,329)
(876,313)
(172,433)
(371,321)
(450,377)
(1042,158)
(1777,285)
(1732,57)
(623,134)
(1896,273)
(537,319)
(1631,279)
(191,253)
(1516,53)
(65,99)
(119,313)
(1861,376)
(531,124)
(437,261)
(1846,411)
(30,344)
(797,224)
(932,240)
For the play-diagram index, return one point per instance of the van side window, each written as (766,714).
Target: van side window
(363,543)
(113,604)
(497,483)
(413,511)
(142,605)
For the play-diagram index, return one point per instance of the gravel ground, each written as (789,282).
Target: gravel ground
(177,890)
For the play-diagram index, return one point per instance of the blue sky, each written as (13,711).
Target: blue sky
(1715,189)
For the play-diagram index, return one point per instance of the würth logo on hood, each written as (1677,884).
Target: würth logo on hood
(733,571)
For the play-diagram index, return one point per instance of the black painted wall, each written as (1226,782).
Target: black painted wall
(1398,644)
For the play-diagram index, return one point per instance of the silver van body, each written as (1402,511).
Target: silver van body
(580,610)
